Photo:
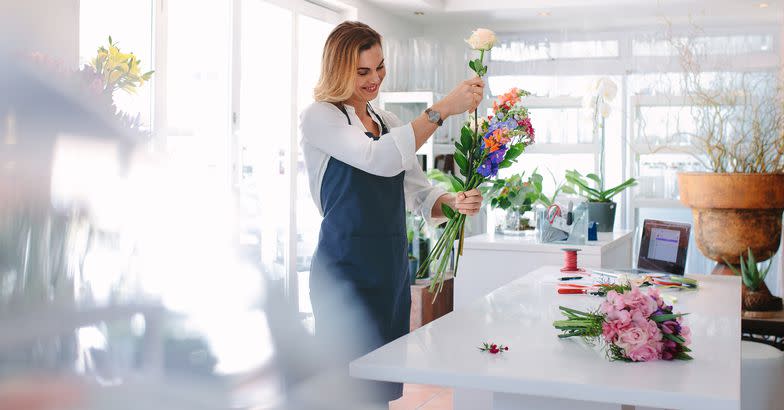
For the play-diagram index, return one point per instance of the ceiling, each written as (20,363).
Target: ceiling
(557,14)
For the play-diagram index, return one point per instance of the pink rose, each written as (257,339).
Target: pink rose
(644,353)
(654,333)
(632,337)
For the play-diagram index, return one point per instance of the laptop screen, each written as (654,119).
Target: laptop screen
(663,246)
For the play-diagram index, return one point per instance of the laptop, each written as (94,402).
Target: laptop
(663,248)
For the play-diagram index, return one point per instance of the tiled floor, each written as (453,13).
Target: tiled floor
(420,396)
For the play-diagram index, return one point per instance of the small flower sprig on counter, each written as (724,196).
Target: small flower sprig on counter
(493,348)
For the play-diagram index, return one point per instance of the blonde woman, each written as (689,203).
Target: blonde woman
(363,174)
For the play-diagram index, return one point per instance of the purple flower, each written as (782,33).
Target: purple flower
(490,166)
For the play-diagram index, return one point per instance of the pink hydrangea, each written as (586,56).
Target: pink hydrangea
(636,300)
(686,334)
(611,329)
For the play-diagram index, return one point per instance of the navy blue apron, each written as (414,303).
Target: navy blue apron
(359,281)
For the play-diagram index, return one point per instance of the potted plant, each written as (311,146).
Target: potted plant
(739,137)
(516,196)
(756,295)
(601,208)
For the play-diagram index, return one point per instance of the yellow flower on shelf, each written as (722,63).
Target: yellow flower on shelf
(120,71)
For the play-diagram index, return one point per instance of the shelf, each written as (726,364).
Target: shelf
(561,149)
(443,149)
(656,203)
(552,102)
(660,100)
(647,149)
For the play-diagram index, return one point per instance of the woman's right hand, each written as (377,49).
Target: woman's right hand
(465,97)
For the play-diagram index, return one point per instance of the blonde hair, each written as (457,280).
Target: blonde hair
(340,59)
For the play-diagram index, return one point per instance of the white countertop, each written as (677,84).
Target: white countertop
(520,315)
(493,241)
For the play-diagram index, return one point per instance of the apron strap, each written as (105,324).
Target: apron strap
(384,128)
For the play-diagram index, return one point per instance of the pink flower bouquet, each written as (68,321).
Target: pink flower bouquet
(634,326)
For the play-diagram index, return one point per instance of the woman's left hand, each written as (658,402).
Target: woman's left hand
(468,202)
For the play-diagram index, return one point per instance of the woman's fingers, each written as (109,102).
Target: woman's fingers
(469,202)
(473,192)
(465,97)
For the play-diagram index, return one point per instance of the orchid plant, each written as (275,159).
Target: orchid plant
(597,102)
(485,147)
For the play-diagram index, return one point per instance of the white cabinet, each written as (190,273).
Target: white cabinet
(491,260)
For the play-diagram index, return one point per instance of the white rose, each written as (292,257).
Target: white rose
(604,109)
(481,39)
(607,88)
(481,122)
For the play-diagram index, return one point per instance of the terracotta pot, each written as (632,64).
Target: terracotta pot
(734,212)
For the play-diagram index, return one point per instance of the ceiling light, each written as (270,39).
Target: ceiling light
(763,5)
(544,13)
(419,13)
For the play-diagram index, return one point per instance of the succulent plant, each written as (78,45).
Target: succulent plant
(752,275)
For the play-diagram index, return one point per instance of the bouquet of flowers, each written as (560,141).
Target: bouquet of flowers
(120,71)
(94,84)
(485,146)
(633,326)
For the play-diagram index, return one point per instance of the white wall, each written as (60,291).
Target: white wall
(47,26)
(387,24)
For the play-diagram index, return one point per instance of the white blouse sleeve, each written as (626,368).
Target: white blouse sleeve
(420,194)
(323,126)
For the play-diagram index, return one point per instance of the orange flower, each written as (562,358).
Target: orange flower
(496,140)
(509,99)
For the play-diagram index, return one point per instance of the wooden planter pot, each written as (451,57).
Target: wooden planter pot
(734,212)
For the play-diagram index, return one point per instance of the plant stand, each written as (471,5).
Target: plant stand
(423,309)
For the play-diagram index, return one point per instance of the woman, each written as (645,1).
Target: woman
(363,175)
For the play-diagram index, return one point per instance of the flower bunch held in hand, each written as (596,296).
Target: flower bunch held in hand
(634,326)
(485,147)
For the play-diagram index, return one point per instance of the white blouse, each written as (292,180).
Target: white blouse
(325,133)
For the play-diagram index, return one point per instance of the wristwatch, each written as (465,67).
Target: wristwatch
(434,117)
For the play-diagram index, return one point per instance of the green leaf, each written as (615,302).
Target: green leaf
(732,268)
(595,178)
(664,318)
(608,194)
(473,67)
(462,162)
(448,212)
(676,339)
(459,146)
(457,185)
(466,138)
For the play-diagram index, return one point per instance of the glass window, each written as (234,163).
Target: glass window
(130,24)
(198,84)
(705,45)
(312,34)
(264,133)
(545,85)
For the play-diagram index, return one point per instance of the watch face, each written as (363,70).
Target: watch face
(433,116)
